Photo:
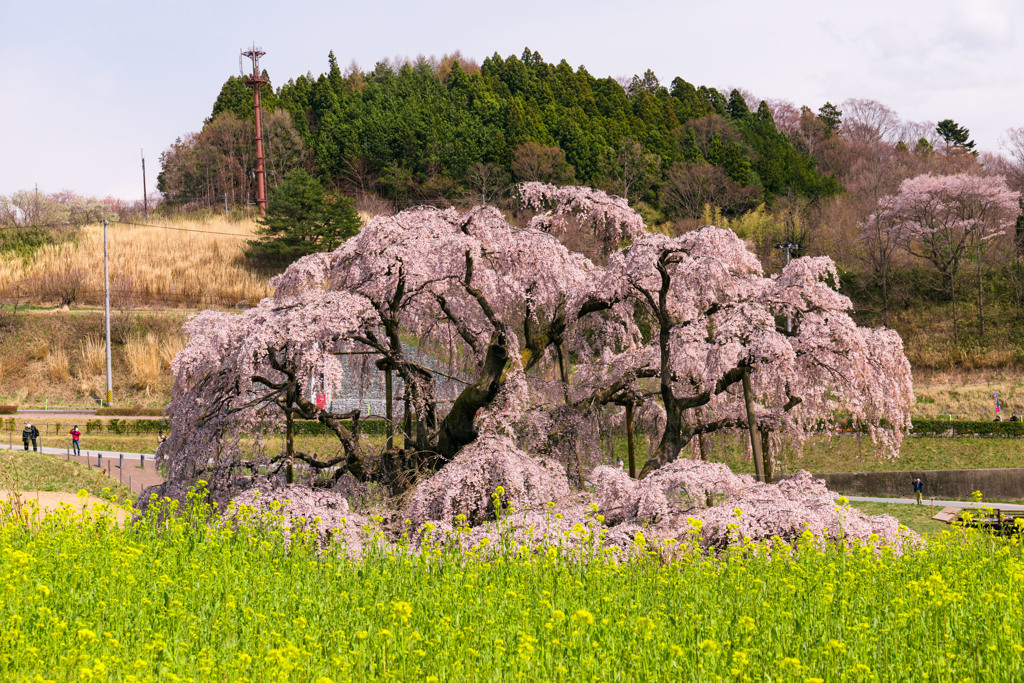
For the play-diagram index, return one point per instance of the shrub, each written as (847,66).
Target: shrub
(315,428)
(924,427)
(8,410)
(116,426)
(129,412)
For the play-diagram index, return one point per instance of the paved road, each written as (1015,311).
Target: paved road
(76,413)
(937,503)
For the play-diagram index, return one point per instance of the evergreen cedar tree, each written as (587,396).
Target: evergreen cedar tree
(417,131)
(955,135)
(688,329)
(302,220)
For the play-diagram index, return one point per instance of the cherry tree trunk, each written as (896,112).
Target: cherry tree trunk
(457,428)
(766,455)
(755,437)
(671,440)
(703,440)
(629,440)
(563,371)
(289,446)
(952,292)
(389,415)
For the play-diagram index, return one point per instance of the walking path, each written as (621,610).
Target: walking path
(937,503)
(48,501)
(139,468)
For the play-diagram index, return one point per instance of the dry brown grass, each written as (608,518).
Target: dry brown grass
(169,348)
(174,268)
(968,394)
(39,350)
(58,367)
(93,353)
(145,362)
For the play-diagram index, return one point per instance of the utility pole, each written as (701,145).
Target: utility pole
(145,199)
(255,82)
(788,247)
(106,313)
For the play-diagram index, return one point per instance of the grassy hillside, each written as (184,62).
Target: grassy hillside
(60,357)
(31,471)
(186,263)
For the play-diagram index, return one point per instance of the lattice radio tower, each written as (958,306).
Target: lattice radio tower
(254,82)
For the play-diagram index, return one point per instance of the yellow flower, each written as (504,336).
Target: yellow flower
(402,610)
(583,615)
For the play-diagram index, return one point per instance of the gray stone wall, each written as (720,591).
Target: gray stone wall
(994,484)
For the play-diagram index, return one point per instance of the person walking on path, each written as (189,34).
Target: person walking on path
(75,436)
(918,489)
(30,433)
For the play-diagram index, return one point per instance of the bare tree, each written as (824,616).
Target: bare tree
(544,164)
(688,188)
(489,182)
(631,170)
(64,284)
(868,121)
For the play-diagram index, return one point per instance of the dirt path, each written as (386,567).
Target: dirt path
(48,501)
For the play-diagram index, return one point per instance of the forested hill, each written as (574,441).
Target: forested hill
(450,129)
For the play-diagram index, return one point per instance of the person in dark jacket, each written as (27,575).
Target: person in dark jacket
(30,433)
(918,489)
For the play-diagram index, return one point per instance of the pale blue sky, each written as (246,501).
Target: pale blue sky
(88,83)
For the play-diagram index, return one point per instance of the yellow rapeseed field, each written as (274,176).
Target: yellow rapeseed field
(187,597)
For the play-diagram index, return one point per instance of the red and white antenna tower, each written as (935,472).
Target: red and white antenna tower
(254,82)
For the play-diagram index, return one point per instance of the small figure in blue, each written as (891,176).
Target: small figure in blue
(918,489)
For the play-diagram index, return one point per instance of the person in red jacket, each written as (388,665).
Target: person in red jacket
(75,436)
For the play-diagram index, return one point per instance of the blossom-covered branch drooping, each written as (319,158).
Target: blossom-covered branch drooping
(605,219)
(467,287)
(714,327)
(540,340)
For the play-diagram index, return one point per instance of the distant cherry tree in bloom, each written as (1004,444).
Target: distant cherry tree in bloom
(687,327)
(939,219)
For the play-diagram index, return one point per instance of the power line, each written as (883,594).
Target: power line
(127,223)
(168,227)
